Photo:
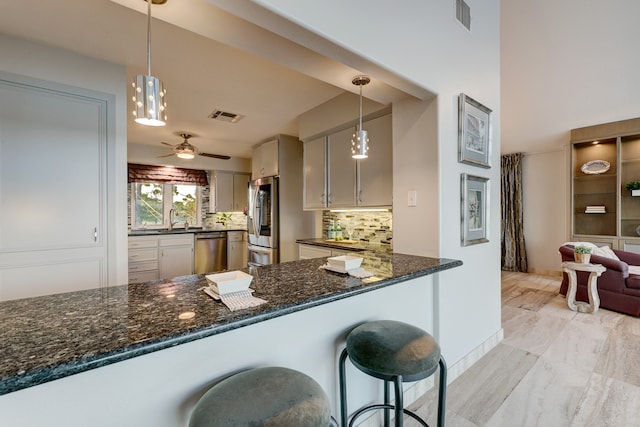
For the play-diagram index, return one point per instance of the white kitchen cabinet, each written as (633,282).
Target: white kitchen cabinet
(143,258)
(54,173)
(315,179)
(240,191)
(160,257)
(311,251)
(341,179)
(264,160)
(175,255)
(229,191)
(222,191)
(236,250)
(345,182)
(375,173)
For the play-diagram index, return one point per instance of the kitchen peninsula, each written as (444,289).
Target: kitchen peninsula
(94,355)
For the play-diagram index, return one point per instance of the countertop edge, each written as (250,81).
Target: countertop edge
(24,380)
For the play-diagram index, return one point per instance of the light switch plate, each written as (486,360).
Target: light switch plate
(412,198)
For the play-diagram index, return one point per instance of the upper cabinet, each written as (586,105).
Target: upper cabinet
(264,161)
(333,179)
(229,191)
(605,158)
(375,173)
(315,166)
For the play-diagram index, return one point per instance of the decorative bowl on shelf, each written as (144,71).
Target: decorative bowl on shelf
(595,167)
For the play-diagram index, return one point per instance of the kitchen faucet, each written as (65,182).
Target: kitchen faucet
(171,221)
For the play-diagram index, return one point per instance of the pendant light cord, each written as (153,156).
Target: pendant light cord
(148,37)
(360,107)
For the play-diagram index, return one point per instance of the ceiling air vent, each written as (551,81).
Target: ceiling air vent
(463,14)
(225,116)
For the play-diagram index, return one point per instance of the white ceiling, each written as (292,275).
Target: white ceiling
(207,59)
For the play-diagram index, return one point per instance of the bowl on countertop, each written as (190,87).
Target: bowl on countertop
(345,262)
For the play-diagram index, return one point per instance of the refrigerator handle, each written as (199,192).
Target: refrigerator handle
(256,213)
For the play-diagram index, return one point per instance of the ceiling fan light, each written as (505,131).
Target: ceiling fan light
(185,155)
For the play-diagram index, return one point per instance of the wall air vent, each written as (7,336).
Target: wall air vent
(225,116)
(463,14)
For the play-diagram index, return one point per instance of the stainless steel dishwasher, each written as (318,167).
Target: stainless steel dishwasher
(210,252)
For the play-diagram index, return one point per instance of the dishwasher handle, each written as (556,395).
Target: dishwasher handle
(215,235)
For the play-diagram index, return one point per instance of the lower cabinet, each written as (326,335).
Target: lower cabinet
(160,257)
(175,255)
(310,251)
(236,250)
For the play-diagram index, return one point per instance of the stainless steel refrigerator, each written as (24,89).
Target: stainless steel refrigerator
(263,221)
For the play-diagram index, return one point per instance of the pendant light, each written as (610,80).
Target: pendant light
(360,139)
(149,103)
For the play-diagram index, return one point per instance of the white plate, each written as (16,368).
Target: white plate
(595,167)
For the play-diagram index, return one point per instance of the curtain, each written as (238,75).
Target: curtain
(514,254)
(166,175)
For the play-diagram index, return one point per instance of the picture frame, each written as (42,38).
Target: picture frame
(474,209)
(474,132)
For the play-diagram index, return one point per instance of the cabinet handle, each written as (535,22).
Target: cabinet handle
(95,234)
(329,199)
(322,198)
(360,196)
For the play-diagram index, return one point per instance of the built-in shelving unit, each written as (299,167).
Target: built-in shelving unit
(603,210)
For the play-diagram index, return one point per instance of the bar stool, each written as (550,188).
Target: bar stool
(394,352)
(266,397)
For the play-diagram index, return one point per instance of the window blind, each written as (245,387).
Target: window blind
(166,175)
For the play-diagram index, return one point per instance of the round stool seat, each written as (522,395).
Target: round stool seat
(388,348)
(270,396)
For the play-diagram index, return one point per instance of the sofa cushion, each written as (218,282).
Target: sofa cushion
(633,281)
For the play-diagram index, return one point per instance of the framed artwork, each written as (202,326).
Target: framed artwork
(474,209)
(474,132)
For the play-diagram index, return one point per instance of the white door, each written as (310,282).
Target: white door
(52,190)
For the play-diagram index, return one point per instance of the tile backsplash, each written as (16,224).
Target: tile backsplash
(374,227)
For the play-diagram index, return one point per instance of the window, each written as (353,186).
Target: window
(152,205)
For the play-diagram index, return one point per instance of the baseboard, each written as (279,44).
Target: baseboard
(420,388)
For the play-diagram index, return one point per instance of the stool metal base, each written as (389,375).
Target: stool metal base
(398,408)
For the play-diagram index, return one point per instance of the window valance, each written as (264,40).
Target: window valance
(166,175)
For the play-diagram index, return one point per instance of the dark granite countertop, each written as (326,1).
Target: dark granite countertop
(55,336)
(358,246)
(160,232)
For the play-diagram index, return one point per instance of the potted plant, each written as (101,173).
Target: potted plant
(634,187)
(582,254)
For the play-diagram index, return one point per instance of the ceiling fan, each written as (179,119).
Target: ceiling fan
(188,151)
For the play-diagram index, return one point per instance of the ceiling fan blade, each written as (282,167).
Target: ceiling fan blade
(167,144)
(216,156)
(167,155)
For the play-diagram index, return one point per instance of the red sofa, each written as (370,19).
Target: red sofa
(618,290)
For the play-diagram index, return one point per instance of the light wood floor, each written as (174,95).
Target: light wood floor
(554,368)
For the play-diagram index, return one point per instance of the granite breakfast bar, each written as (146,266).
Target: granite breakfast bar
(142,354)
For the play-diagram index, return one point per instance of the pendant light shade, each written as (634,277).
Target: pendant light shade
(149,102)
(360,139)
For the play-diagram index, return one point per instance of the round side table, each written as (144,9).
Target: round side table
(595,270)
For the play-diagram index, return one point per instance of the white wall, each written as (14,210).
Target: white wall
(422,42)
(61,66)
(565,65)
